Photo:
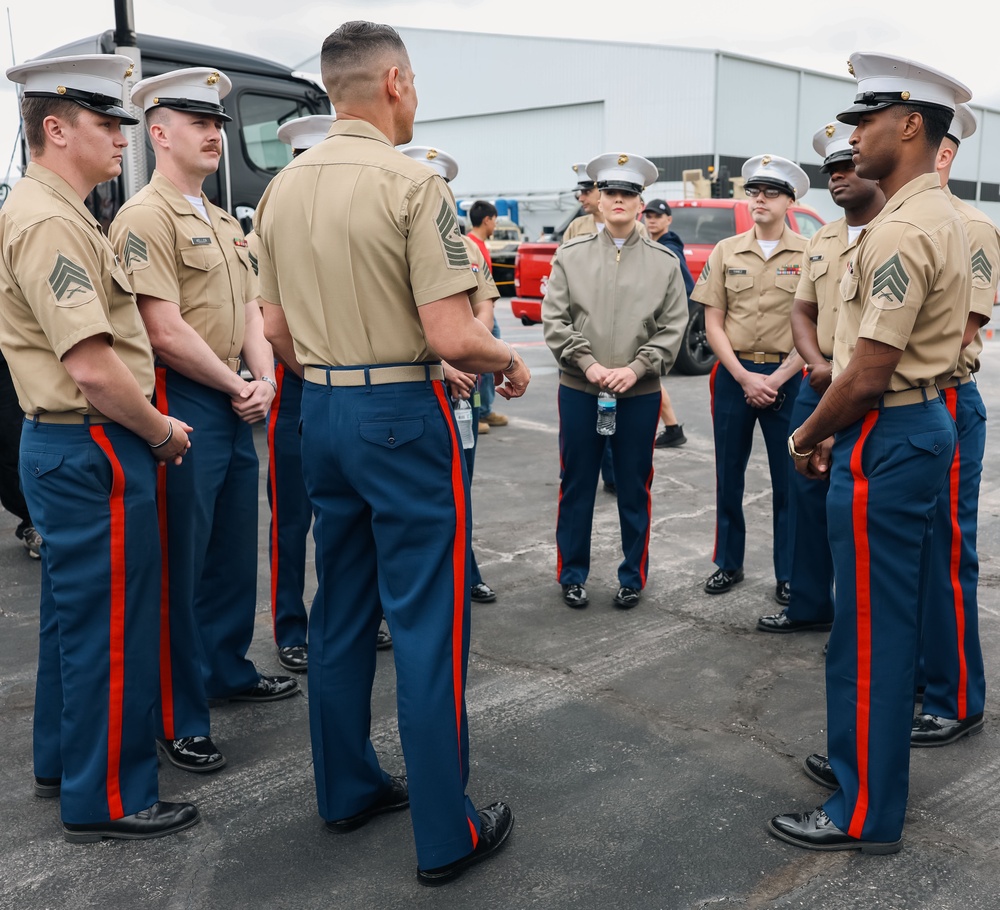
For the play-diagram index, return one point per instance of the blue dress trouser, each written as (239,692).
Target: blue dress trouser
(581,449)
(887,473)
(952,655)
(385,473)
(291,513)
(811,570)
(733,422)
(91,490)
(208,531)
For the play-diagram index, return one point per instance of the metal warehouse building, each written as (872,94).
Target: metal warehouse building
(517,112)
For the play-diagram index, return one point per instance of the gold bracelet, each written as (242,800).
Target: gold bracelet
(793,451)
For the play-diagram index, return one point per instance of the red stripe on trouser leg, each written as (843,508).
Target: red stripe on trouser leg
(474,833)
(116,637)
(562,471)
(458,558)
(862,559)
(166,668)
(958,599)
(272,422)
(711,400)
(644,563)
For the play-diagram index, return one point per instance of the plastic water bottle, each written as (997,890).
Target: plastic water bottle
(463,417)
(607,408)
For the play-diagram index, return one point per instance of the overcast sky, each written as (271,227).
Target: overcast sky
(813,35)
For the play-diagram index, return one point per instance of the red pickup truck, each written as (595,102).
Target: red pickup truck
(701,224)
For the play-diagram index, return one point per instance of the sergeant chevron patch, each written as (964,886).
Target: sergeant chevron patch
(136,252)
(703,277)
(253,264)
(451,238)
(982,269)
(889,284)
(70,282)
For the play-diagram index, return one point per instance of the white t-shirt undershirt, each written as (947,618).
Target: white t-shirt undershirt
(854,231)
(767,247)
(199,207)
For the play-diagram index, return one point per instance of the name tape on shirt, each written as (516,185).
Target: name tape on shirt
(816,258)
(736,271)
(201,241)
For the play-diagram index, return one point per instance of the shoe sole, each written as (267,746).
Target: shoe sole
(290,669)
(625,604)
(576,604)
(346,825)
(806,627)
(93,837)
(432,880)
(196,769)
(823,782)
(265,698)
(875,848)
(483,600)
(47,791)
(974,730)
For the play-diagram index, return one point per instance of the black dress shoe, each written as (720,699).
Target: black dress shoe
(269,688)
(783,593)
(394,797)
(48,787)
(482,594)
(931,730)
(159,820)
(575,596)
(495,824)
(814,831)
(779,622)
(818,768)
(294,658)
(384,640)
(192,753)
(722,580)
(626,598)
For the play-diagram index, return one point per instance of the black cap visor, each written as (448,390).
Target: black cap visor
(99,104)
(869,102)
(633,189)
(194,107)
(842,155)
(772,181)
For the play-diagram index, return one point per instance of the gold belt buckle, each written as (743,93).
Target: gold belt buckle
(760,357)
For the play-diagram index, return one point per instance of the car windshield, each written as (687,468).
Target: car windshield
(694,224)
(506,233)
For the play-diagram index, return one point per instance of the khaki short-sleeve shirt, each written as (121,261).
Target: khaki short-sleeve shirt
(984,246)
(172,253)
(354,238)
(755,293)
(485,288)
(827,254)
(60,283)
(907,286)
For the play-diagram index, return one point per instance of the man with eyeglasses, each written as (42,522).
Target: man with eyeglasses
(747,287)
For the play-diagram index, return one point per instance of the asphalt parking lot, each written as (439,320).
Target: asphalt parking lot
(642,752)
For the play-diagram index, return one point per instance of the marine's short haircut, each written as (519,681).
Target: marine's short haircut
(354,56)
(480,210)
(35,110)
(937,120)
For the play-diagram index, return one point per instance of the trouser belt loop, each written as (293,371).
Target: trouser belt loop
(368,380)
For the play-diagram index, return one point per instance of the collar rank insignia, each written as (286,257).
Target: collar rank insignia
(889,284)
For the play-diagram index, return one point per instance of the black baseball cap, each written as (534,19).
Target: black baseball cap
(659,206)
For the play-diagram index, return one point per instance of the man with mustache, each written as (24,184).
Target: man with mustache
(190,267)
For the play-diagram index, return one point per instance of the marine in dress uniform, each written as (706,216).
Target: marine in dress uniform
(955,692)
(369,320)
(747,287)
(899,333)
(291,513)
(814,318)
(466,385)
(189,264)
(613,315)
(82,366)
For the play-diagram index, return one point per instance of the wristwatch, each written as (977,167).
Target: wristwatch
(793,451)
(270,382)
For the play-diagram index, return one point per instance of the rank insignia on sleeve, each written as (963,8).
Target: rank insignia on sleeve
(889,284)
(982,269)
(253,264)
(136,252)
(703,277)
(242,244)
(451,237)
(70,282)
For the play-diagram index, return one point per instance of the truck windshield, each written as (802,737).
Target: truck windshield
(260,117)
(694,224)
